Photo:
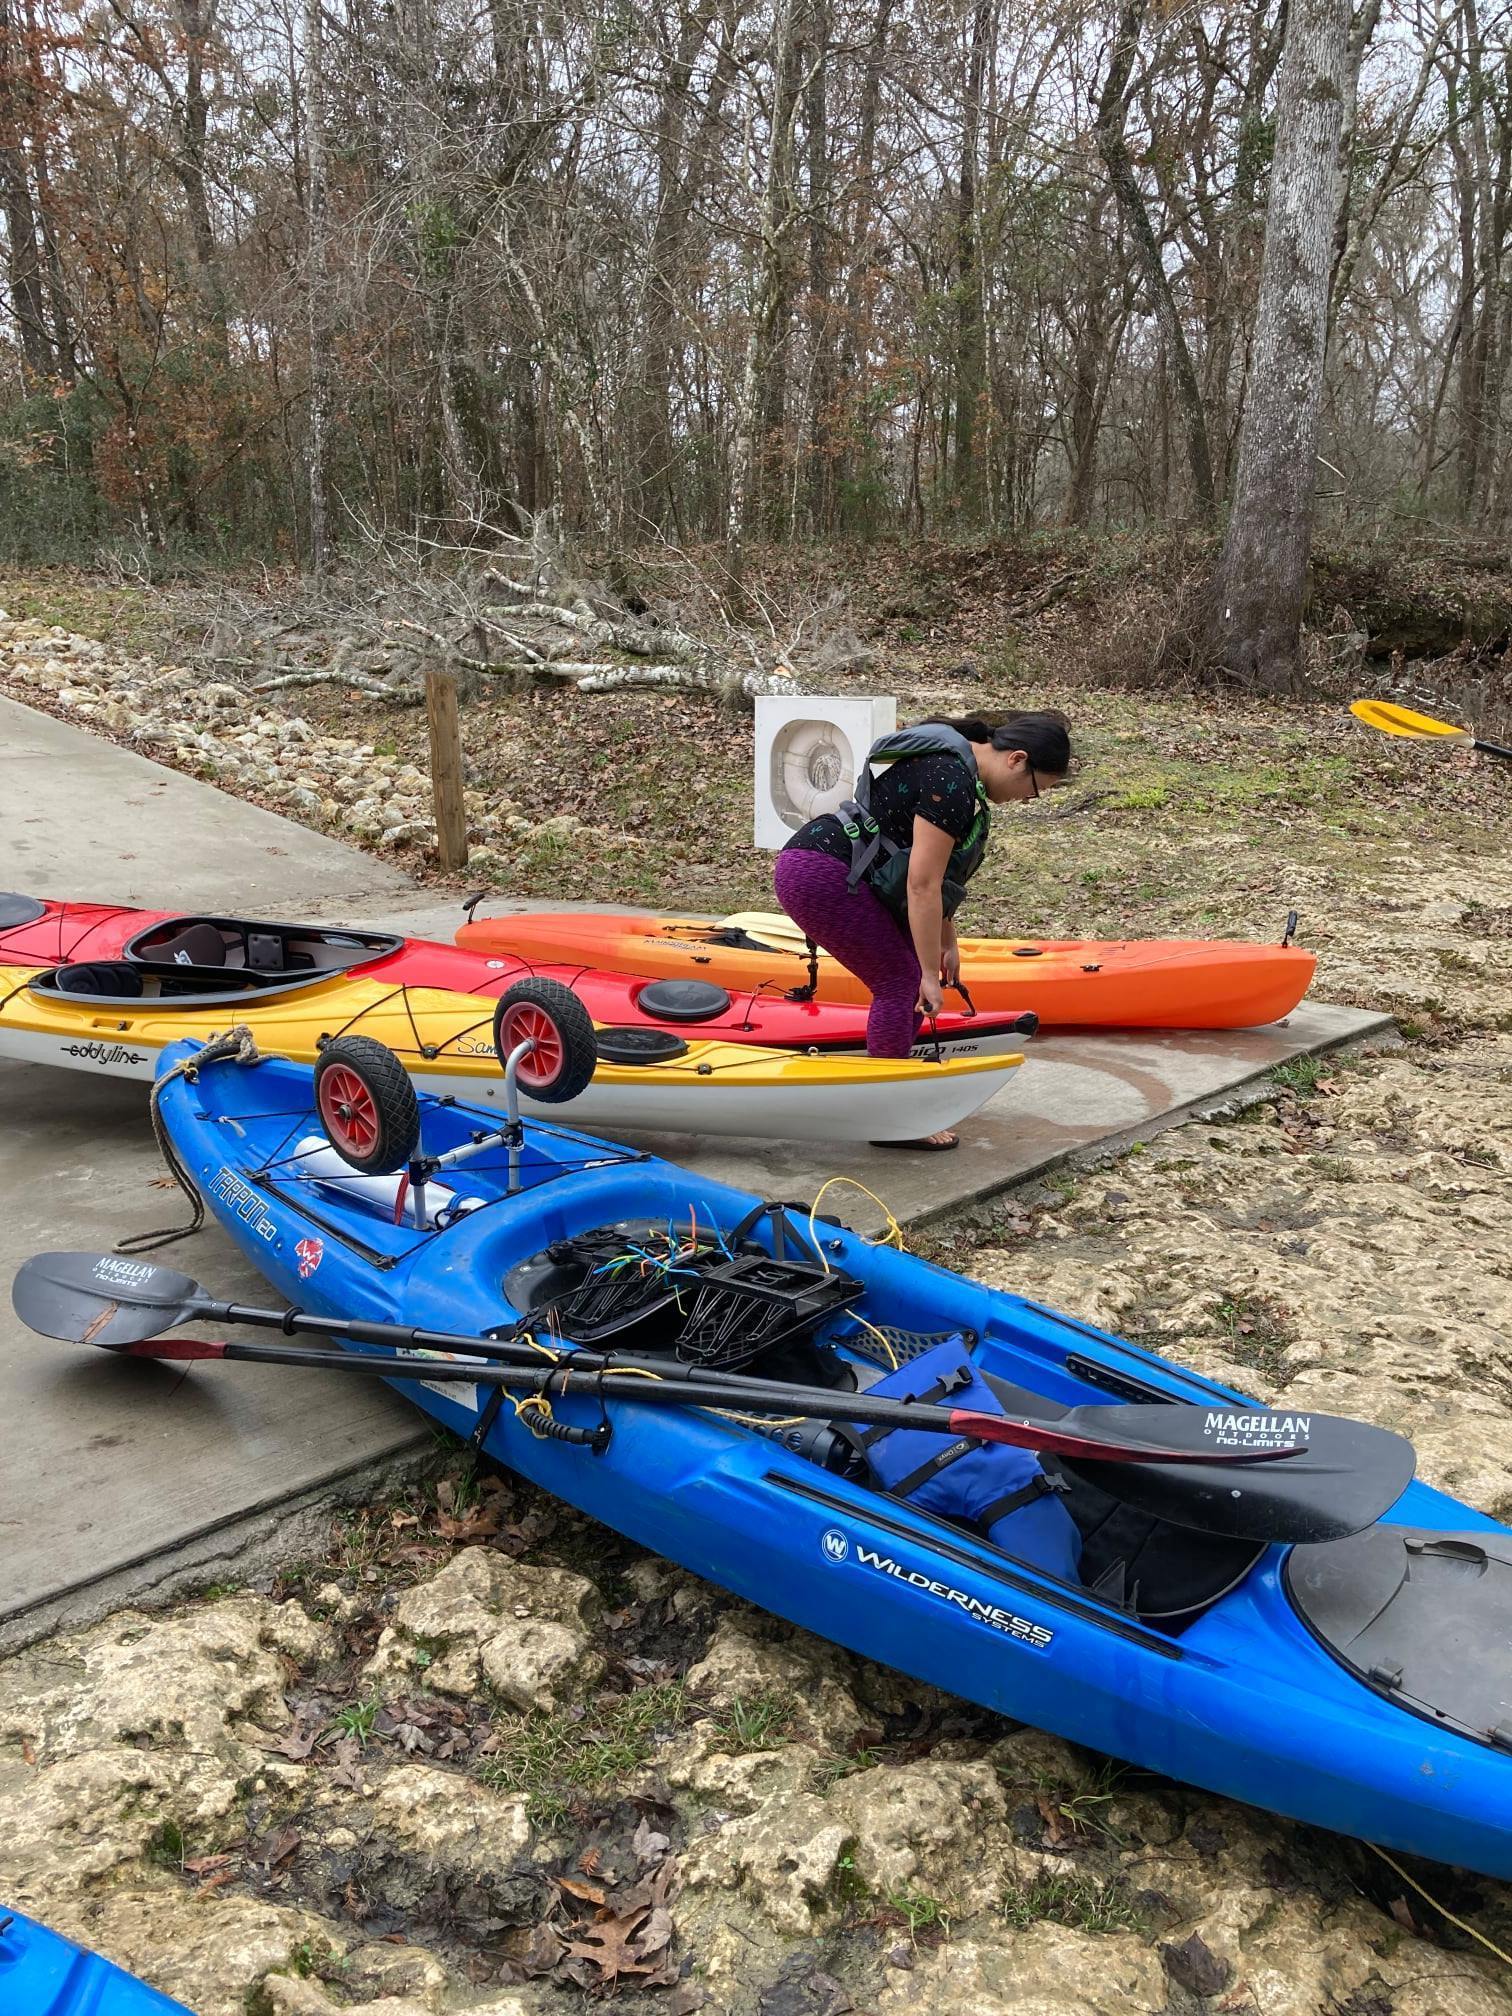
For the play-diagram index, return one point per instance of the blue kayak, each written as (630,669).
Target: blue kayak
(1359,1682)
(44,1974)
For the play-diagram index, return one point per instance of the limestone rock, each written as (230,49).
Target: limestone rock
(933,1828)
(195,1678)
(1045,1971)
(525,1631)
(752,1657)
(213,1957)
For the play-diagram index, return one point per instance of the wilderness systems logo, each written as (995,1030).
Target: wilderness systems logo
(243,1202)
(837,1547)
(104,1053)
(309,1253)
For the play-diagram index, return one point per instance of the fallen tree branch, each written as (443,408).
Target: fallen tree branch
(401,696)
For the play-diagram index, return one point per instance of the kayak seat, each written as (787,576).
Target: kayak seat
(1164,1574)
(271,952)
(136,980)
(199,945)
(110,979)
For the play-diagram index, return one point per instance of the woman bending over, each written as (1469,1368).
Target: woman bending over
(877,885)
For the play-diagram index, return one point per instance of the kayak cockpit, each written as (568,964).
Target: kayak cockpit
(242,944)
(135,983)
(728,1301)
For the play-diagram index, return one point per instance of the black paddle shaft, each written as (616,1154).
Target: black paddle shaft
(1212,1468)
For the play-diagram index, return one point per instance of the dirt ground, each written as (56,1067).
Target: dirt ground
(484,1756)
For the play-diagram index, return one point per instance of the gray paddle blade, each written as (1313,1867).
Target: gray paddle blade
(1343,1479)
(101,1298)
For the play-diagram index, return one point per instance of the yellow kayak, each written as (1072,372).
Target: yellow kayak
(70,1016)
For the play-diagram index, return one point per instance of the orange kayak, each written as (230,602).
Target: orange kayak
(1088,983)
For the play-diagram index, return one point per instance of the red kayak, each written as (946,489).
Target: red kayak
(34,932)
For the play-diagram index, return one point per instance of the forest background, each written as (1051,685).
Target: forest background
(288,281)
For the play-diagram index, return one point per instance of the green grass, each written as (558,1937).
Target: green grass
(829,1771)
(920,1912)
(1299,1075)
(552,1758)
(754,1722)
(1078,1901)
(357,1719)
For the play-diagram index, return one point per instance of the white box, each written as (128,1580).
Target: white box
(808,750)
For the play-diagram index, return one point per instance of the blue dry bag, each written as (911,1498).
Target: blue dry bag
(1003,1492)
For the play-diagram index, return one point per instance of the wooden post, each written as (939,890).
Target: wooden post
(446,768)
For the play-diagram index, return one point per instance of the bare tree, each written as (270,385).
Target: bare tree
(1259,587)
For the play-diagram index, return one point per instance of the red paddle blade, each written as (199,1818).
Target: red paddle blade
(174,1348)
(1103,1449)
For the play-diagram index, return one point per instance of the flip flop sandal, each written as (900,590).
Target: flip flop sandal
(925,1147)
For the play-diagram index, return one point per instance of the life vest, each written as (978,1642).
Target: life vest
(1001,1491)
(881,863)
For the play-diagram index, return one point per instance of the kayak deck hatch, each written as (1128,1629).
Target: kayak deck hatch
(1424,1619)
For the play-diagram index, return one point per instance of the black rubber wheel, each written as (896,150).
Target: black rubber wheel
(367,1105)
(639,1046)
(550,1016)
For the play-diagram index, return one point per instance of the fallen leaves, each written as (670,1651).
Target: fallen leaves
(601,1936)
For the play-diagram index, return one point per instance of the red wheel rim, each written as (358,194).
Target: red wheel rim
(348,1110)
(525,1022)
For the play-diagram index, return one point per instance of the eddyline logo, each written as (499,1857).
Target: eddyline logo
(104,1053)
(837,1547)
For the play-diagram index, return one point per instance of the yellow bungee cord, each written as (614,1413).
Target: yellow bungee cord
(893,1236)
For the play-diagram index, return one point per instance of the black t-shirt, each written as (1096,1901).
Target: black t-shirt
(937,788)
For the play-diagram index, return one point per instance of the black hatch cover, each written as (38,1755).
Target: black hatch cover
(16,909)
(683,1000)
(1423,1618)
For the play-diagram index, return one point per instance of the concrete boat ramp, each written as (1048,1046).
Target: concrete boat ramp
(119,1481)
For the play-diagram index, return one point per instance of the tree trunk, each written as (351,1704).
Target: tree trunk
(25,265)
(970,345)
(1257,592)
(1112,110)
(772,302)
(1088,379)
(316,277)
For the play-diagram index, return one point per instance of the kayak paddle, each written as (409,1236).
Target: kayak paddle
(1307,1476)
(124,1305)
(1394,720)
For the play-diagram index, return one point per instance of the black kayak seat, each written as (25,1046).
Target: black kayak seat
(683,1000)
(198,945)
(113,979)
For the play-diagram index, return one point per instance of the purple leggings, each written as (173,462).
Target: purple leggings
(855,928)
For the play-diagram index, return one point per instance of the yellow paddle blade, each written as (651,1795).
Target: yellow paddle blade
(1394,720)
(769,925)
